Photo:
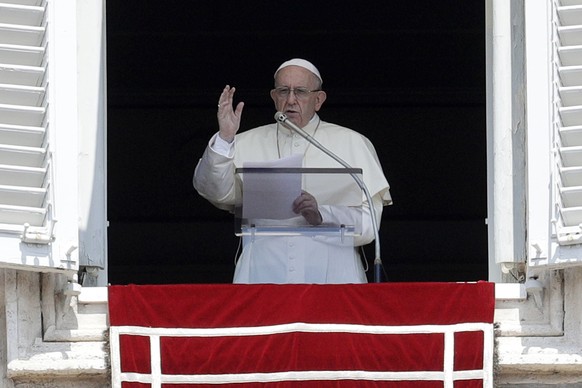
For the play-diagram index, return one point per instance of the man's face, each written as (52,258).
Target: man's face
(299,109)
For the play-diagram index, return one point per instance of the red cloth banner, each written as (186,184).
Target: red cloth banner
(366,335)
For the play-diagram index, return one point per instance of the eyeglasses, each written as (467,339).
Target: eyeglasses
(299,92)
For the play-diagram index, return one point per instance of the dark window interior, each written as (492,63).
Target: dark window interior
(408,75)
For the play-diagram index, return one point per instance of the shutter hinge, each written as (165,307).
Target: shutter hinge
(569,235)
(36,235)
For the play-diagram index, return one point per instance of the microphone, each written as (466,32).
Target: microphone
(282,118)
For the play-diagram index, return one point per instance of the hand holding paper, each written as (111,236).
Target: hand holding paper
(306,205)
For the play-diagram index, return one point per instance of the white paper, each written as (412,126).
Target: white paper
(271,195)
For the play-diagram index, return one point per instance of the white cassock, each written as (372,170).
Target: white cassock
(297,259)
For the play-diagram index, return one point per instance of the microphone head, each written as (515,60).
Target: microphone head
(280,117)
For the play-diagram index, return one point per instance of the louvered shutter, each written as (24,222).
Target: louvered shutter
(567,112)
(28,232)
(24,161)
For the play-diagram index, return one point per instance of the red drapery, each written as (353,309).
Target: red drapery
(368,335)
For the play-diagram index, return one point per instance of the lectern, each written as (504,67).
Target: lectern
(264,204)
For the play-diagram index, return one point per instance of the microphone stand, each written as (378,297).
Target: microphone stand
(284,120)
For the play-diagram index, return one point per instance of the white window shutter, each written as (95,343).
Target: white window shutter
(554,133)
(568,123)
(24,157)
(28,222)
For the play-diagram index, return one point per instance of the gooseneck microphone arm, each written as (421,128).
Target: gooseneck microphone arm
(284,120)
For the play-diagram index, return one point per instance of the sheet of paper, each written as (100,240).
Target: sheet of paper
(271,195)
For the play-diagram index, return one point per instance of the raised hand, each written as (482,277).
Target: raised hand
(228,116)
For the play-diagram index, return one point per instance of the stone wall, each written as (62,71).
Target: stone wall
(49,339)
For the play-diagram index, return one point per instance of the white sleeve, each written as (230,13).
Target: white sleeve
(214,175)
(221,146)
(349,215)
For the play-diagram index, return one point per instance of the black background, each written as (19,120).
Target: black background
(408,75)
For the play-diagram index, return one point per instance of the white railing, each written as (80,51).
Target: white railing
(448,375)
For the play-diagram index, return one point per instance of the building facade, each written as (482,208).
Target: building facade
(53,203)
(53,246)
